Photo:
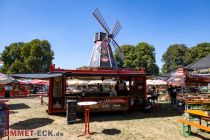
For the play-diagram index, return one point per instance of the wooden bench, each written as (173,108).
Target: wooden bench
(207,120)
(188,124)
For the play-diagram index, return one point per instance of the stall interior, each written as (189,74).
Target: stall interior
(103,88)
(110,93)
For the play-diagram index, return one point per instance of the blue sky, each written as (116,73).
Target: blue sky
(70,26)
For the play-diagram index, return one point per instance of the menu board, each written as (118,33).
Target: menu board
(3,122)
(57,93)
(57,87)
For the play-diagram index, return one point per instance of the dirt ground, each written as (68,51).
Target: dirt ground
(29,114)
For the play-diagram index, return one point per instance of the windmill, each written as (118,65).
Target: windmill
(102,55)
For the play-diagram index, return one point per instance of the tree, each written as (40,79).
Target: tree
(141,55)
(200,50)
(32,57)
(177,55)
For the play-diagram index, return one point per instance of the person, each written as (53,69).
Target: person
(169,93)
(100,87)
(122,88)
(125,91)
(35,90)
(173,95)
(154,95)
(117,88)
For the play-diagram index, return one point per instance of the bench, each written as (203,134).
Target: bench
(206,119)
(188,124)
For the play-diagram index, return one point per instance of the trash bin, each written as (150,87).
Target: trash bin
(71,111)
(4,119)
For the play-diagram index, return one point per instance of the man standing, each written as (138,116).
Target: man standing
(173,95)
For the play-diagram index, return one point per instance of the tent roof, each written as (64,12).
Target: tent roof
(203,63)
(168,74)
(5,79)
(38,75)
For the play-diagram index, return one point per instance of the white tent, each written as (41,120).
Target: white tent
(76,82)
(106,81)
(93,82)
(155,82)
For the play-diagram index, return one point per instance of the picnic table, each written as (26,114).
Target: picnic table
(198,113)
(189,123)
(196,102)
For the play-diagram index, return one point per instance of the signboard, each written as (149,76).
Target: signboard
(202,71)
(57,93)
(110,104)
(57,87)
(3,120)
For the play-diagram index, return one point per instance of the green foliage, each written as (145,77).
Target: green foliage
(200,50)
(176,56)
(179,55)
(31,57)
(141,55)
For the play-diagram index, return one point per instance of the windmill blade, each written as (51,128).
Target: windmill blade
(116,29)
(101,20)
(119,50)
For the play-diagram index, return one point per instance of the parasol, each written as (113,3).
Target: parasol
(76,82)
(5,79)
(156,82)
(39,82)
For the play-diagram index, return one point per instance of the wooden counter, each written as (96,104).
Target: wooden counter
(107,103)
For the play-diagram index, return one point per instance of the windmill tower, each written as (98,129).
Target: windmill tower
(102,55)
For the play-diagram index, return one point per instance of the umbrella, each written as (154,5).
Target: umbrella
(93,82)
(24,82)
(109,81)
(177,81)
(76,82)
(156,82)
(39,82)
(5,79)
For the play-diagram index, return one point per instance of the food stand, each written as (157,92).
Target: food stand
(188,81)
(19,90)
(106,100)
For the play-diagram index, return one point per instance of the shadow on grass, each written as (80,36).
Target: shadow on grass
(12,112)
(18,106)
(165,111)
(112,131)
(31,123)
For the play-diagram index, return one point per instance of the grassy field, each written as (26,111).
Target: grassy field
(28,113)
